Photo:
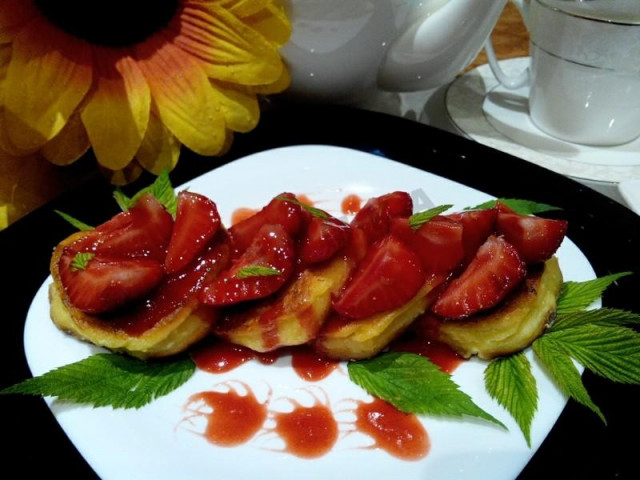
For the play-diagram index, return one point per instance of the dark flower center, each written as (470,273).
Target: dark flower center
(110,23)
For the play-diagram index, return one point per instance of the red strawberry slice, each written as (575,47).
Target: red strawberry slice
(322,238)
(272,249)
(197,221)
(374,218)
(288,214)
(388,277)
(477,226)
(105,283)
(142,231)
(492,274)
(535,238)
(438,242)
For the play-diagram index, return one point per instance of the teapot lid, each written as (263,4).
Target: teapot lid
(626,12)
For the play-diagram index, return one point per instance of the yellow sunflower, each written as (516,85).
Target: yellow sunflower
(134,80)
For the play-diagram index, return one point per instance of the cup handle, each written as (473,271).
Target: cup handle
(508,81)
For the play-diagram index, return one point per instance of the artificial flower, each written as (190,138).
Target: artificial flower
(135,80)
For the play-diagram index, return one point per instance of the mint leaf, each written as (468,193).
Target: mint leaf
(510,382)
(418,219)
(413,384)
(316,212)
(257,271)
(523,207)
(564,372)
(81,260)
(108,379)
(576,296)
(74,221)
(612,352)
(161,188)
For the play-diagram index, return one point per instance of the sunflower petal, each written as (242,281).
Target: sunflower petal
(228,48)
(273,23)
(69,145)
(159,149)
(122,177)
(278,86)
(14,14)
(117,114)
(182,96)
(244,8)
(6,145)
(49,75)
(240,108)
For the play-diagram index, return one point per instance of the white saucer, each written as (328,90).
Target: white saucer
(490,114)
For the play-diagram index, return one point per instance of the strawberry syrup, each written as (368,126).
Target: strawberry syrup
(351,204)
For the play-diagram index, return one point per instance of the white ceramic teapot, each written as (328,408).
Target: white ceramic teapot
(342,50)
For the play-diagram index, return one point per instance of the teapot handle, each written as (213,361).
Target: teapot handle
(507,80)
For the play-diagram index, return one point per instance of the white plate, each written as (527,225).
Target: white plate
(490,114)
(152,443)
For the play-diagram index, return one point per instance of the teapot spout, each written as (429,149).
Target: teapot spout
(440,44)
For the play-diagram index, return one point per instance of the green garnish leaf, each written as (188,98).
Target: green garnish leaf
(523,207)
(418,219)
(510,382)
(316,212)
(257,271)
(577,296)
(81,260)
(80,225)
(413,384)
(108,379)
(161,188)
(565,373)
(611,351)
(603,316)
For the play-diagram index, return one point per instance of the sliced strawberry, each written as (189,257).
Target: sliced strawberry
(388,277)
(197,221)
(322,238)
(477,226)
(105,283)
(288,214)
(272,249)
(438,243)
(374,218)
(492,274)
(535,238)
(142,231)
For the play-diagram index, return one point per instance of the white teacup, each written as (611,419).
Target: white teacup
(584,75)
(343,50)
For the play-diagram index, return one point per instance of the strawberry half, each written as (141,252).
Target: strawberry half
(142,231)
(389,276)
(477,225)
(495,270)
(197,221)
(438,242)
(288,214)
(106,283)
(322,238)
(535,238)
(375,217)
(272,249)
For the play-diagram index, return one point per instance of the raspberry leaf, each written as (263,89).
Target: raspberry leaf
(414,384)
(510,382)
(577,296)
(161,188)
(418,219)
(108,379)
(523,207)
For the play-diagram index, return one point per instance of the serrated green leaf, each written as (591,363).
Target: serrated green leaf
(81,260)
(316,212)
(510,382)
(80,225)
(564,372)
(576,296)
(161,188)
(413,384)
(523,207)
(602,316)
(108,379)
(418,219)
(612,352)
(257,271)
